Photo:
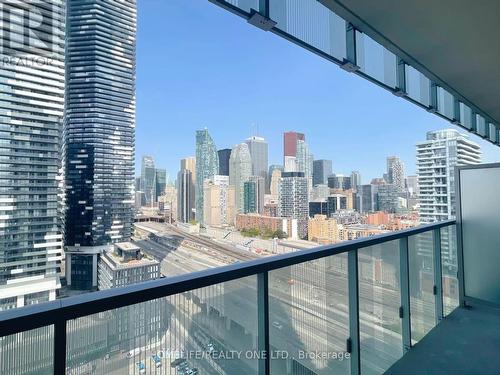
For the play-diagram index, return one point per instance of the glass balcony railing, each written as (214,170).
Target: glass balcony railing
(348,308)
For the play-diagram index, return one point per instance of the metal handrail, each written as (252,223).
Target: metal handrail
(48,313)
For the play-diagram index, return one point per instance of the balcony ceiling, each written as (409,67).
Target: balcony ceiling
(452,41)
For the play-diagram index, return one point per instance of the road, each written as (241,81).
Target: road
(312,312)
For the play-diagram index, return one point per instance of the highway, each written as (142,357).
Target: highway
(309,314)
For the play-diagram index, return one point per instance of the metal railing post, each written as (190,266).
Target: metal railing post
(350,63)
(438,279)
(60,347)
(433,97)
(263,323)
(404,310)
(264,8)
(353,341)
(401,89)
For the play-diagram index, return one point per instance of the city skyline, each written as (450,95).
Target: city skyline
(347,131)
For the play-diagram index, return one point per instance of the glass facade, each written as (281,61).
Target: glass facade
(207,165)
(100,122)
(148,180)
(32,87)
(240,170)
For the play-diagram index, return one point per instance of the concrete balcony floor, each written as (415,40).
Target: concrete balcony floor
(466,342)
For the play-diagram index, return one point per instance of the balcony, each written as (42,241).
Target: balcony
(409,302)
(348,308)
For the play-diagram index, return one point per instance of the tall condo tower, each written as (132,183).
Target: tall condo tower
(31,110)
(437,158)
(99,132)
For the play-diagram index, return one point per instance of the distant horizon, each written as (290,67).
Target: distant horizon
(224,74)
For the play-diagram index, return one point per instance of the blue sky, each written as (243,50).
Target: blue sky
(200,66)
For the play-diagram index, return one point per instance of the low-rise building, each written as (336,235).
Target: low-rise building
(354,231)
(125,265)
(322,230)
(267,223)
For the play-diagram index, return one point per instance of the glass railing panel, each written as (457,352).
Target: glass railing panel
(379,301)
(417,86)
(309,317)
(481,125)
(245,5)
(375,60)
(30,352)
(445,103)
(312,23)
(493,132)
(212,329)
(421,277)
(465,116)
(449,261)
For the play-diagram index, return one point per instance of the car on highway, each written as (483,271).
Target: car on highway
(156,360)
(177,362)
(133,352)
(210,348)
(277,325)
(182,367)
(142,367)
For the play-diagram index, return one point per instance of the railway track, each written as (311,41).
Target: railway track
(234,253)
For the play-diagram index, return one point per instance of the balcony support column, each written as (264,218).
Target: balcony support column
(263,323)
(404,310)
(438,279)
(353,342)
(60,347)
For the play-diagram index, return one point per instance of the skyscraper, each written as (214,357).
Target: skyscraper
(99,131)
(160,182)
(148,180)
(391,199)
(396,172)
(290,142)
(437,158)
(207,165)
(224,156)
(321,170)
(355,179)
(339,181)
(304,159)
(274,176)
(240,170)
(219,198)
(253,193)
(189,163)
(294,199)
(367,198)
(32,102)
(258,148)
(185,190)
(290,148)
(185,198)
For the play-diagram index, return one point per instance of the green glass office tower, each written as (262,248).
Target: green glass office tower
(99,132)
(207,165)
